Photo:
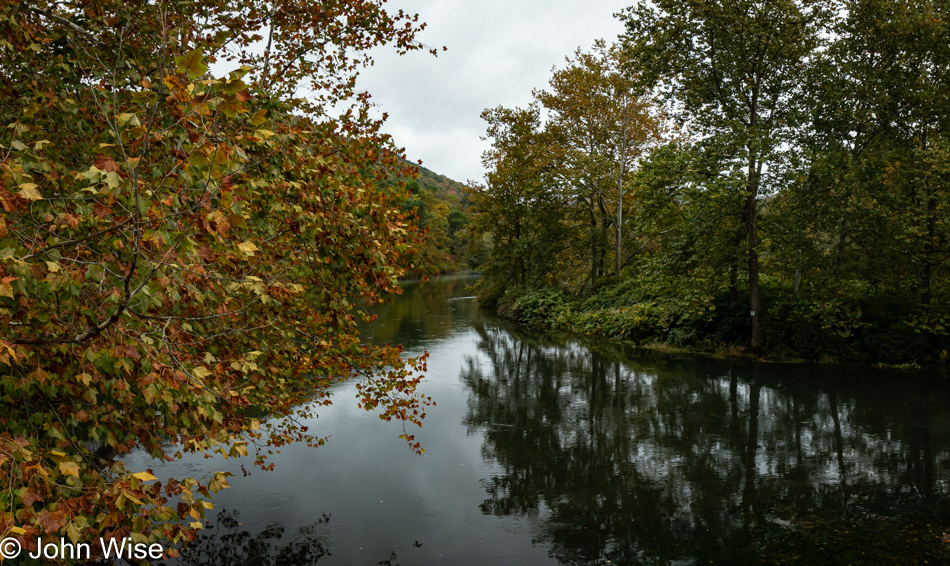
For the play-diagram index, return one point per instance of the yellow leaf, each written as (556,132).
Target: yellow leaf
(132,498)
(130,118)
(201,372)
(144,476)
(52,266)
(74,533)
(69,468)
(248,247)
(29,192)
(259,118)
(113,179)
(6,290)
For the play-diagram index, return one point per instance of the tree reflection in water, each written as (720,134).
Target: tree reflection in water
(663,460)
(224,543)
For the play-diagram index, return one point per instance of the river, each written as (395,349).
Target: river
(548,450)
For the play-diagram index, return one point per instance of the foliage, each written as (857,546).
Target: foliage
(802,209)
(558,187)
(182,253)
(737,81)
(522,209)
(437,204)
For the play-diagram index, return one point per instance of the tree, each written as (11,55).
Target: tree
(734,70)
(522,205)
(182,253)
(559,172)
(603,125)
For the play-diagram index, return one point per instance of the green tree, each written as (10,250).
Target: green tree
(734,71)
(523,204)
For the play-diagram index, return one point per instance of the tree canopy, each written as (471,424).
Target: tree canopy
(798,208)
(185,253)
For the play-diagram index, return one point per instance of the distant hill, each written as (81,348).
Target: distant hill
(441,204)
(435,182)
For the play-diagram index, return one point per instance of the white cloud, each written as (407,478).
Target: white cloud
(498,52)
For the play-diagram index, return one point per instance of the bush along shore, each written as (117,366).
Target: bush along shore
(877,329)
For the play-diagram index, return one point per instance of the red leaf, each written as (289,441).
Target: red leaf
(105,163)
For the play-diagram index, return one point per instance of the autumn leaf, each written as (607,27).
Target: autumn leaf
(69,468)
(29,192)
(248,248)
(132,192)
(105,163)
(192,63)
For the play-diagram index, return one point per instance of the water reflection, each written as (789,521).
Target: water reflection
(225,543)
(424,313)
(664,460)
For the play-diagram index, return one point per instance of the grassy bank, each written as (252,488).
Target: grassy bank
(876,329)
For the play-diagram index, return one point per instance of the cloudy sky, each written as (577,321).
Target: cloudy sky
(498,51)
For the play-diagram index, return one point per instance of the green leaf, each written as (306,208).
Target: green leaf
(192,63)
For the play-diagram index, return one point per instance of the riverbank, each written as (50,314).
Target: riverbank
(863,329)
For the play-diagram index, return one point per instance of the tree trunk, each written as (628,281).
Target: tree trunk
(925,292)
(621,169)
(927,275)
(751,218)
(593,241)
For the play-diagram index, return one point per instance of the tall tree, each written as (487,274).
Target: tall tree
(733,69)
(603,125)
(523,203)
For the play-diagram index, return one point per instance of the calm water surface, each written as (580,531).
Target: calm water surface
(550,451)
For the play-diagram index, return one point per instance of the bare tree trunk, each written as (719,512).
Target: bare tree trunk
(927,275)
(593,241)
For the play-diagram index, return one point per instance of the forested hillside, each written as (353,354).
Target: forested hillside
(774,181)
(442,209)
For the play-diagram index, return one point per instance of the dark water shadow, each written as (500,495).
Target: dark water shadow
(634,458)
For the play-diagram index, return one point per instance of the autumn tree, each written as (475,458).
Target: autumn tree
(603,125)
(183,251)
(559,173)
(522,205)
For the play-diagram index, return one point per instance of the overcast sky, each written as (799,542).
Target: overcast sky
(498,51)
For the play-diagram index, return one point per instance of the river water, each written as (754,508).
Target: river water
(548,450)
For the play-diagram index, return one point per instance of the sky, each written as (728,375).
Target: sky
(498,51)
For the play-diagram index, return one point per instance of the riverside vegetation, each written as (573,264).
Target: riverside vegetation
(772,178)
